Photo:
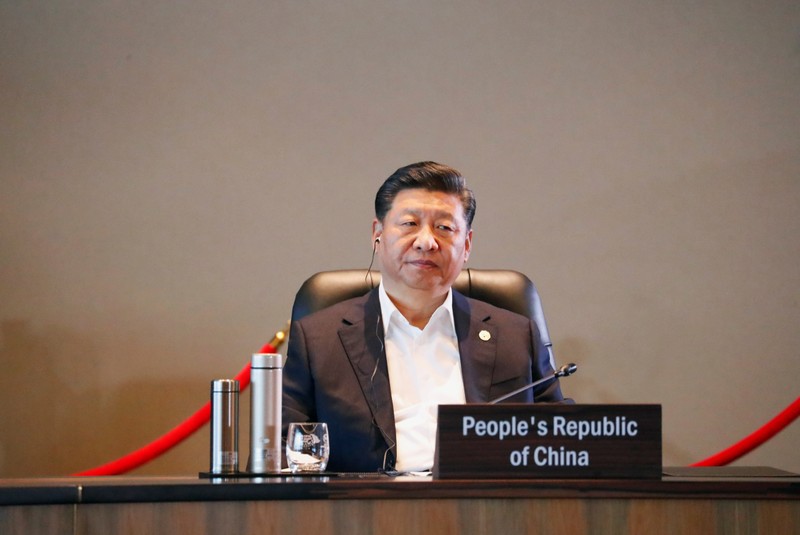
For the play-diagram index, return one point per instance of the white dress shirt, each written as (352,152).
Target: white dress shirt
(424,372)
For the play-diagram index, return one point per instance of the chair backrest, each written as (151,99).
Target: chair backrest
(506,289)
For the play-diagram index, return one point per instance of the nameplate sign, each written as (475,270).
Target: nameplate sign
(517,440)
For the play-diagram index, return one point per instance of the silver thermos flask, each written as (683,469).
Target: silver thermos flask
(266,389)
(224,426)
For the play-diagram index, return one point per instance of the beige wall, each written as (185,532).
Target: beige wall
(172,171)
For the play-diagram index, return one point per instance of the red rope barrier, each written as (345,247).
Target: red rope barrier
(755,439)
(172,438)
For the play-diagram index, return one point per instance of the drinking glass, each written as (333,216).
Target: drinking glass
(307,447)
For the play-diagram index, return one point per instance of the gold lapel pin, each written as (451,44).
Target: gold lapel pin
(485,335)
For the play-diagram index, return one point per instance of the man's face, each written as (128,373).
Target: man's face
(424,242)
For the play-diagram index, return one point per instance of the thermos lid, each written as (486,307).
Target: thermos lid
(225,385)
(267,361)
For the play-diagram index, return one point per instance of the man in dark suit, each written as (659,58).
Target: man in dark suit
(375,368)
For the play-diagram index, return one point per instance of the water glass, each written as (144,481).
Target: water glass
(307,447)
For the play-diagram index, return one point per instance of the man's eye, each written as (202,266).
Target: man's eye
(446,228)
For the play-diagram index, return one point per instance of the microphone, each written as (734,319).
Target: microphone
(563,371)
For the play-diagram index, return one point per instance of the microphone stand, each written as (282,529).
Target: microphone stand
(563,371)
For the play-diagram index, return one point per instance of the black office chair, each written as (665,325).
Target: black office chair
(506,289)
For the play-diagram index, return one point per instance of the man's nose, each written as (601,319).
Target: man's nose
(425,240)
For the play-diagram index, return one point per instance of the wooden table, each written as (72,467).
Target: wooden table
(683,501)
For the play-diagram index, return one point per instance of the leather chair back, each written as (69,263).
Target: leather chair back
(506,289)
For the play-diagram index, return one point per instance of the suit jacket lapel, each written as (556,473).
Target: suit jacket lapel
(477,344)
(362,337)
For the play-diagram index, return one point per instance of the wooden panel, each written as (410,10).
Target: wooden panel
(37,519)
(445,516)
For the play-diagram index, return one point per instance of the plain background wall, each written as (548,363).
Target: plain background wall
(172,171)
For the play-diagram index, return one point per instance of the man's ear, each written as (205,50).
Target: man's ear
(377,230)
(468,245)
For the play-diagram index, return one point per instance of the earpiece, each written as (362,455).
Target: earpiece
(378,239)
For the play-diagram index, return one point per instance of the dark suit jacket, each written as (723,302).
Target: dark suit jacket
(336,372)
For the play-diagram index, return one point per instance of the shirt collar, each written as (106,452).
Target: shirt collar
(388,309)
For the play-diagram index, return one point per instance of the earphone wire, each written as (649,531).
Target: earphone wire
(368,275)
(392,444)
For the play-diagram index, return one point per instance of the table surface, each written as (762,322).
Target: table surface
(678,482)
